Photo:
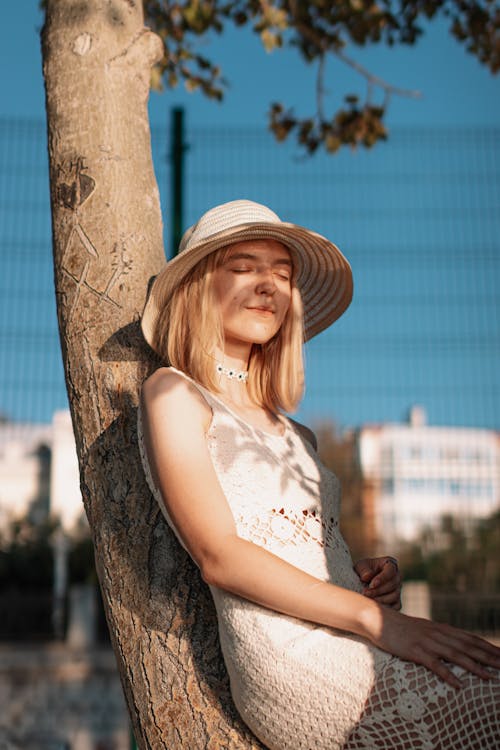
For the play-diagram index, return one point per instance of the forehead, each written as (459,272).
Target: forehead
(261,249)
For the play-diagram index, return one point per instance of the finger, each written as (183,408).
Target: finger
(463,660)
(378,587)
(439,667)
(383,596)
(489,654)
(423,655)
(388,574)
(473,647)
(467,640)
(364,570)
(390,600)
(465,650)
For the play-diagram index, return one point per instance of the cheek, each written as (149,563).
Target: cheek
(224,295)
(286,301)
(230,304)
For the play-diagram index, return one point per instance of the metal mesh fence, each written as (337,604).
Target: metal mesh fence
(417,217)
(419,220)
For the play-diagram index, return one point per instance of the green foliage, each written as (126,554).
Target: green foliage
(455,556)
(318,30)
(27,556)
(353,127)
(81,566)
(338,453)
(179,24)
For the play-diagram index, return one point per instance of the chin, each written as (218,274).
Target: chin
(260,340)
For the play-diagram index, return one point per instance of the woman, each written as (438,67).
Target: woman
(317,652)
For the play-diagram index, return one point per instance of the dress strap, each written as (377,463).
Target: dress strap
(212,400)
(217,405)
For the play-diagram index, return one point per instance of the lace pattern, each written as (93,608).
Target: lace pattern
(298,685)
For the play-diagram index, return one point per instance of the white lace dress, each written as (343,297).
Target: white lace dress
(298,685)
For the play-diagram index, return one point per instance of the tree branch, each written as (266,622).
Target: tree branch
(373,79)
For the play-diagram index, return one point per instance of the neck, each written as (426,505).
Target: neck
(234,359)
(233,388)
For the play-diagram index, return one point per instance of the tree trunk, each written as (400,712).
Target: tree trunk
(107,238)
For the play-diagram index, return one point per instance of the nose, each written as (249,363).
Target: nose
(266,283)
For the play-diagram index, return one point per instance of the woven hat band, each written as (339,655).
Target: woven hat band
(322,274)
(224,218)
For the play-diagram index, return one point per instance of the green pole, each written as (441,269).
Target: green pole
(177,163)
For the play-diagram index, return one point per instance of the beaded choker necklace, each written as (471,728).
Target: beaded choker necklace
(232,373)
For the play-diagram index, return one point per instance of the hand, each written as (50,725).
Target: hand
(381,579)
(434,645)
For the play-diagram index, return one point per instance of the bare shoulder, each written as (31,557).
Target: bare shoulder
(306,433)
(168,392)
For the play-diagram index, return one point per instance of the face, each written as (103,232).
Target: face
(253,287)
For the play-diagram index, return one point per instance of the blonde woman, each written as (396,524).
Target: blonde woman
(317,652)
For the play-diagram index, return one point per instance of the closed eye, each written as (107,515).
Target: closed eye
(283,275)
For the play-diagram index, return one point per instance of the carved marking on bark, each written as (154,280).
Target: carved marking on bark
(78,186)
(73,189)
(162,620)
(82,44)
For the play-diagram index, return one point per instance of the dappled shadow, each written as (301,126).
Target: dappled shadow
(127,344)
(154,591)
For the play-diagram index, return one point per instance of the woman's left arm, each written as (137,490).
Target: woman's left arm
(381,580)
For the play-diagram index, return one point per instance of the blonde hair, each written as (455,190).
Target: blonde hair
(190,327)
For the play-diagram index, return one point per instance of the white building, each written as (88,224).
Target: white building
(415,473)
(65,497)
(39,471)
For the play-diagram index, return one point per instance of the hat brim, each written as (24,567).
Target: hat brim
(323,275)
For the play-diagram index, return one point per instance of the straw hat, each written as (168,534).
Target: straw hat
(323,275)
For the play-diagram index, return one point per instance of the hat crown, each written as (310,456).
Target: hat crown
(225,217)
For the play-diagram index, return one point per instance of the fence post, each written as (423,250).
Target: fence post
(177,163)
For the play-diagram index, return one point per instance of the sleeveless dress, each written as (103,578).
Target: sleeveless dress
(298,685)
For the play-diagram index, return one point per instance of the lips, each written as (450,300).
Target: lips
(263,309)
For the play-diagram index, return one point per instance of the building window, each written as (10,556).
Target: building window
(388,486)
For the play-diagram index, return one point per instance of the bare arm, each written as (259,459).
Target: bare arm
(176,419)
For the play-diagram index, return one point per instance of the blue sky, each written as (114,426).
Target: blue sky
(371,385)
(456,89)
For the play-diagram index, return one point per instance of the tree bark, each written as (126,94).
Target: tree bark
(107,239)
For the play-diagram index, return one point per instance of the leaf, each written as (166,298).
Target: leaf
(191,84)
(172,79)
(240,18)
(332,143)
(276,17)
(270,40)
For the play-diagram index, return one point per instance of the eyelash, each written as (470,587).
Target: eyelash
(283,276)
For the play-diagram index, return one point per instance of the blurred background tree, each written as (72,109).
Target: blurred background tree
(338,451)
(27,575)
(456,557)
